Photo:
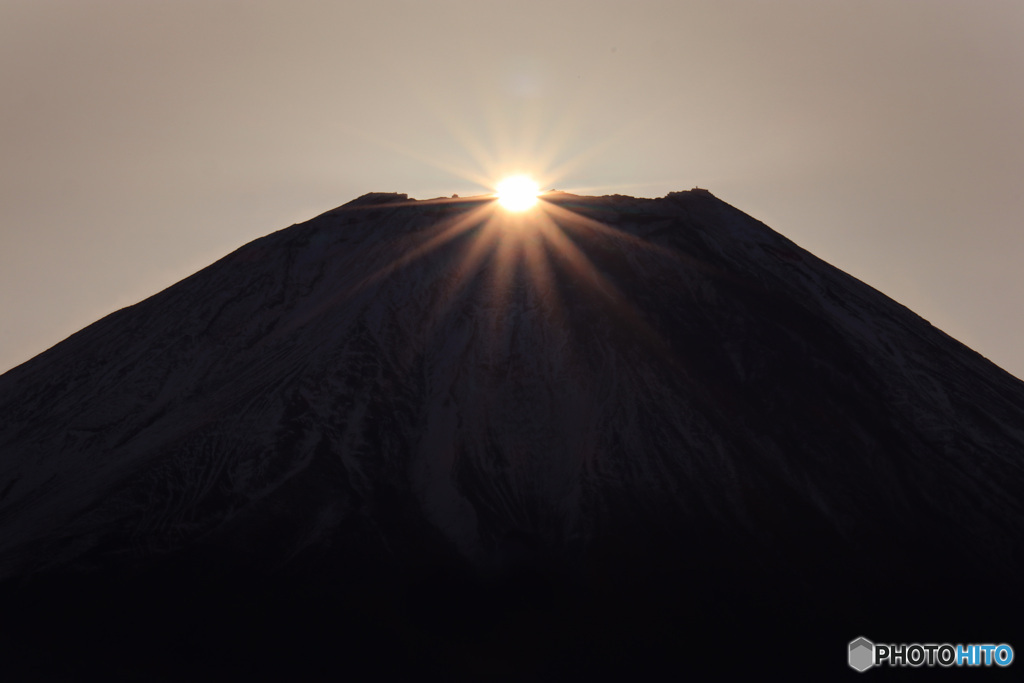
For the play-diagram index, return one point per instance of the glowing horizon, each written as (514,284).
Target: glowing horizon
(517,193)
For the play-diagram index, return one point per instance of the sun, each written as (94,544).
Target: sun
(517,193)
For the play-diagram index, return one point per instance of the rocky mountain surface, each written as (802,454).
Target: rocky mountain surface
(608,435)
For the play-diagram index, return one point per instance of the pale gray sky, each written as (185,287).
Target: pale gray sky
(141,140)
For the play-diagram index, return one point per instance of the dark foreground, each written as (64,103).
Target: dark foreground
(624,613)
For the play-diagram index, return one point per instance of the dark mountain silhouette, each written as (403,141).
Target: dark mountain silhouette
(613,437)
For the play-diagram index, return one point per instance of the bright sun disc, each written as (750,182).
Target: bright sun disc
(517,193)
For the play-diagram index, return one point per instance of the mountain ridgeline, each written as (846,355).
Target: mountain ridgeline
(430,436)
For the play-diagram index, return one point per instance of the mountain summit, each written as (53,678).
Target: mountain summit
(599,436)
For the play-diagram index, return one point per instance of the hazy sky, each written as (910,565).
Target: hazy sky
(141,140)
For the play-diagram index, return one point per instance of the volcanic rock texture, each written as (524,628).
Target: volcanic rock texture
(432,438)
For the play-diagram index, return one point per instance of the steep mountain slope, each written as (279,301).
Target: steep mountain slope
(517,443)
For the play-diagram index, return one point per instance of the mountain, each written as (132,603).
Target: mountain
(608,436)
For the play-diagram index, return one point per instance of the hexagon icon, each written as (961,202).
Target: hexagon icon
(862,654)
